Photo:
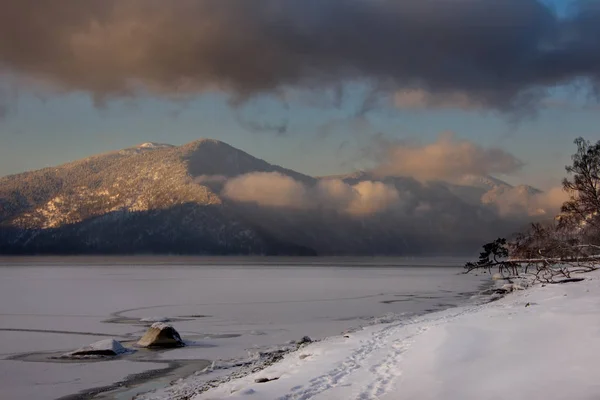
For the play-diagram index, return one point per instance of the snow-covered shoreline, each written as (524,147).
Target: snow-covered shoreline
(543,342)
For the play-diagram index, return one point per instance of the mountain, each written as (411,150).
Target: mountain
(142,199)
(159,198)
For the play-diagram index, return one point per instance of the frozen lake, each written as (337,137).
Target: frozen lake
(228,307)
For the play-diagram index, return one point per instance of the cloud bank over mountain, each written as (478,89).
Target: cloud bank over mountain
(404,197)
(207,196)
(409,178)
(278,190)
(502,55)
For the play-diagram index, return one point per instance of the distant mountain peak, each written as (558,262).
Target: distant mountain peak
(209,141)
(481,181)
(356,175)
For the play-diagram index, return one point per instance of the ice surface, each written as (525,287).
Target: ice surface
(49,381)
(224,309)
(17,342)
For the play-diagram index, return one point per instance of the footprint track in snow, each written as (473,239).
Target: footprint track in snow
(384,372)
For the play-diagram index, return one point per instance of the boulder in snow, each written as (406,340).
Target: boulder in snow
(108,347)
(161,335)
(265,380)
(305,340)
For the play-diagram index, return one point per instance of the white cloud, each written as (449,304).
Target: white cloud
(269,189)
(277,190)
(447,158)
(523,201)
(364,198)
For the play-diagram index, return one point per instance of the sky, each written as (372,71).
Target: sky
(295,83)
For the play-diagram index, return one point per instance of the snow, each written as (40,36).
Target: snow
(106,345)
(155,319)
(160,326)
(541,343)
(153,145)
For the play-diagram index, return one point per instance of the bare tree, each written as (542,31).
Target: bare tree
(582,210)
(554,251)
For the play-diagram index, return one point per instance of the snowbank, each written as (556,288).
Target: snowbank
(542,343)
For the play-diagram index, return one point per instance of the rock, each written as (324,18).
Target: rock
(161,335)
(495,291)
(265,380)
(570,280)
(108,347)
(305,340)
(499,291)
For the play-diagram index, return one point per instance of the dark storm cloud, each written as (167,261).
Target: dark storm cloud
(500,54)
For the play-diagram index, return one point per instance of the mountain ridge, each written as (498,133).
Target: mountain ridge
(159,198)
